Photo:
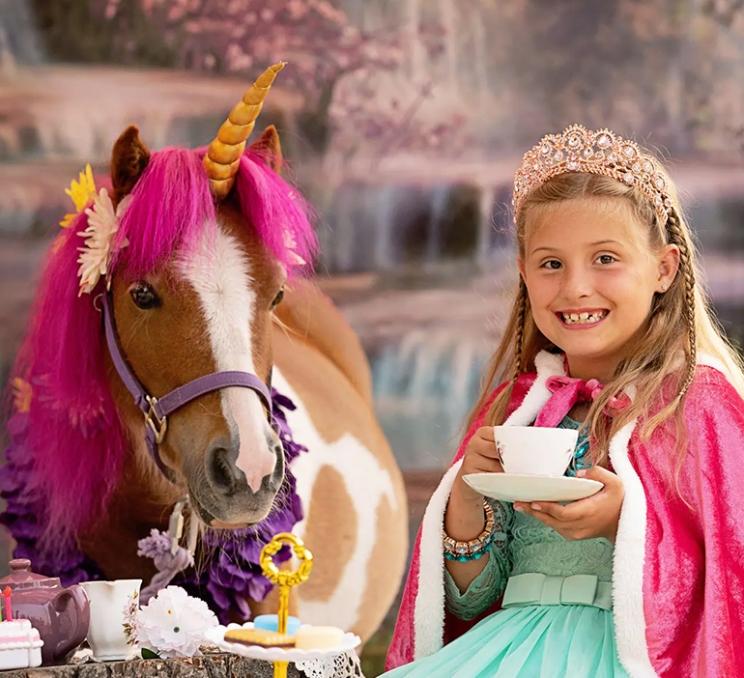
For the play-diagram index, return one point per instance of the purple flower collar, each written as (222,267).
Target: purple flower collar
(230,572)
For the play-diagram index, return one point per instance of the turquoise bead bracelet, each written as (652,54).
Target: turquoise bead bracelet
(463,551)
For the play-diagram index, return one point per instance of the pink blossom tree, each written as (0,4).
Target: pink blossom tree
(323,47)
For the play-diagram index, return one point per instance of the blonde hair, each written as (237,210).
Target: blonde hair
(681,323)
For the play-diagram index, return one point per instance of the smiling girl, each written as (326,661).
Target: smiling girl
(610,334)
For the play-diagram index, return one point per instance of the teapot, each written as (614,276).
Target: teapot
(60,615)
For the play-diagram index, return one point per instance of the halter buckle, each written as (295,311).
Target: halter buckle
(157,425)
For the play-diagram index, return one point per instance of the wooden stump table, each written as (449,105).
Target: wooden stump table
(208,666)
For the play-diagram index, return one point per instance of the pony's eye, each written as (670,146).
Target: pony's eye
(144,295)
(278,298)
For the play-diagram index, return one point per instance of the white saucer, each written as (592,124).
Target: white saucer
(523,487)
(216,636)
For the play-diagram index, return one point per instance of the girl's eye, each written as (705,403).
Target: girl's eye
(606,259)
(551,264)
(144,295)
(278,298)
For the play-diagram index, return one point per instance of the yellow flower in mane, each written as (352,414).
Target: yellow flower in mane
(81,192)
(21,395)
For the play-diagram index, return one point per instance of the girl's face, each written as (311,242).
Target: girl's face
(591,275)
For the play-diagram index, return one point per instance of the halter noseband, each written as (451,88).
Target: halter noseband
(156,410)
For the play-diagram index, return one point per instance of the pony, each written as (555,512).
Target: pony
(207,273)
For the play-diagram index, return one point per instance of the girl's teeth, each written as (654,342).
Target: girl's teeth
(571,318)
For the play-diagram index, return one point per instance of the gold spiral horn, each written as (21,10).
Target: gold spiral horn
(223,155)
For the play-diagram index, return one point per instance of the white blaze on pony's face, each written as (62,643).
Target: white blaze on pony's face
(218,269)
(207,310)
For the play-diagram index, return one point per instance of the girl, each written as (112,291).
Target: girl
(607,295)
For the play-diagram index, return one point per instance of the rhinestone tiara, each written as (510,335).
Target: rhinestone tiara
(602,152)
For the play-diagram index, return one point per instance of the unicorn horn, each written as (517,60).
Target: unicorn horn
(223,155)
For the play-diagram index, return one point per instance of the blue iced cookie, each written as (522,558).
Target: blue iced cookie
(270,622)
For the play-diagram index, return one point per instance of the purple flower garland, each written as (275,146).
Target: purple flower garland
(230,572)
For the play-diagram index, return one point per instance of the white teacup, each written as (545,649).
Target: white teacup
(535,450)
(108,601)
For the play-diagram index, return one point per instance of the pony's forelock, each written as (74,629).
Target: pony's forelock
(169,205)
(279,213)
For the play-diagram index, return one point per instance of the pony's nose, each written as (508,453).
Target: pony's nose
(223,472)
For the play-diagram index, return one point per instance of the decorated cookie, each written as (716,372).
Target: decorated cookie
(318,637)
(270,622)
(259,637)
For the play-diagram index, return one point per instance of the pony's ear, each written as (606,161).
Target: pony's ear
(129,158)
(270,148)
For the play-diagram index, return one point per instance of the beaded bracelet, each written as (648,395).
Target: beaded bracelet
(463,551)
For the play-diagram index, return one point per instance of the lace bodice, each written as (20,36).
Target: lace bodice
(529,546)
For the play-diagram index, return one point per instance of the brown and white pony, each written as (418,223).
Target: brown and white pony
(203,297)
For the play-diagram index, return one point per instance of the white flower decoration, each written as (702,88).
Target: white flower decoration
(103,222)
(173,623)
(290,243)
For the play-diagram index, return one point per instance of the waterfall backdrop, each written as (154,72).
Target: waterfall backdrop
(403,121)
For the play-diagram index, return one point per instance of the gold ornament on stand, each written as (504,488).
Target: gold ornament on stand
(285,579)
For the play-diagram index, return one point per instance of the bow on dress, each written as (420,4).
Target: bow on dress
(567,392)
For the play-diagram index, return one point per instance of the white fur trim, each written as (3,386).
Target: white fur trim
(429,608)
(711,361)
(629,561)
(547,365)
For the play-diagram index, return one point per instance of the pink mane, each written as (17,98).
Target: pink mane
(75,439)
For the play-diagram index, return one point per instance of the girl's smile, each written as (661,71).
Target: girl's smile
(591,276)
(582,318)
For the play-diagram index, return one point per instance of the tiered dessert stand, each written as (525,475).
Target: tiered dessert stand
(314,662)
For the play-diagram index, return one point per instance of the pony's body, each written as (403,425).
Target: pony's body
(195,288)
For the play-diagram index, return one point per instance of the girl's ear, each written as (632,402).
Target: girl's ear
(668,267)
(520,266)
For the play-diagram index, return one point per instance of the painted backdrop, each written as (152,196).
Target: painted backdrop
(404,121)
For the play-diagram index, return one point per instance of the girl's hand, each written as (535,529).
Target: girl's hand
(480,456)
(595,516)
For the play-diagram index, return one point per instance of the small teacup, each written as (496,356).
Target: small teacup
(535,450)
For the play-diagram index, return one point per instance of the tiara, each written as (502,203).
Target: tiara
(603,152)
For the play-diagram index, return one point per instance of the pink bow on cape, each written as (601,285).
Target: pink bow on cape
(567,391)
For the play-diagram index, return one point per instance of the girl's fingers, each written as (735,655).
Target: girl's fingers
(485,433)
(486,449)
(555,511)
(544,518)
(582,509)
(484,466)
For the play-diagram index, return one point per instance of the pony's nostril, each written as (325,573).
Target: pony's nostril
(223,472)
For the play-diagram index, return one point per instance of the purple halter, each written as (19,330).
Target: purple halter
(156,410)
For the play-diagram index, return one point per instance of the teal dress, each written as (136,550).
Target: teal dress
(556,616)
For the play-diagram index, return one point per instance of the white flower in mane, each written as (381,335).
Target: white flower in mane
(103,222)
(291,244)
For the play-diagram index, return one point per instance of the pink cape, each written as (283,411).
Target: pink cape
(678,572)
